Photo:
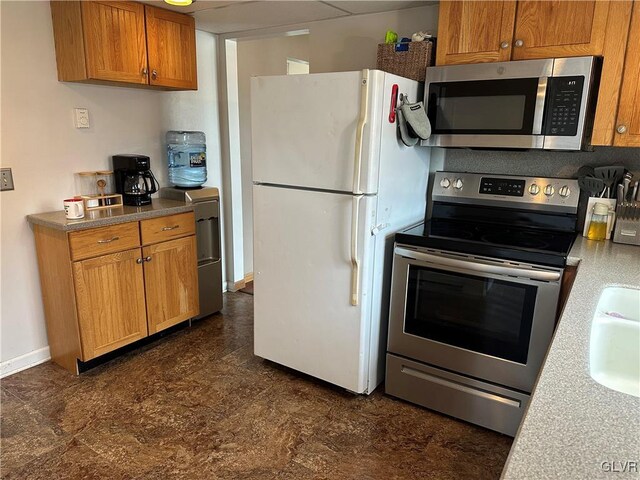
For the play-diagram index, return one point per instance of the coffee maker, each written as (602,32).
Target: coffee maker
(134,179)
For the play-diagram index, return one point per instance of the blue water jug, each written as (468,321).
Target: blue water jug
(187,157)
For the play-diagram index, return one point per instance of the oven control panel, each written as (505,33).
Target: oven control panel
(502,186)
(536,193)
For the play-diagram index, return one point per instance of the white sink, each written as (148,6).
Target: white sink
(614,357)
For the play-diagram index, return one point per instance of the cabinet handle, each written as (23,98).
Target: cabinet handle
(147,259)
(504,45)
(519,43)
(109,240)
(165,229)
(621,129)
(139,260)
(145,71)
(154,74)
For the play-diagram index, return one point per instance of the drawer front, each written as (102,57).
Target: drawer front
(462,397)
(100,241)
(161,229)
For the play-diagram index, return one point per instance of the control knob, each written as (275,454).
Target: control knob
(564,191)
(445,183)
(534,189)
(549,190)
(457,184)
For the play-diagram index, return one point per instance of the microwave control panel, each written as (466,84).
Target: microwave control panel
(564,95)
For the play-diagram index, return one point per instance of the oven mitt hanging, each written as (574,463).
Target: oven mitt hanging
(413,122)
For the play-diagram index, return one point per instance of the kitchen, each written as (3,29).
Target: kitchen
(136,121)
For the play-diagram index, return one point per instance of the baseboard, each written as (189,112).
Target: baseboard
(25,361)
(240,284)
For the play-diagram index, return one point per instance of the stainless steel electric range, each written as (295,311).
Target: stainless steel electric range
(474,295)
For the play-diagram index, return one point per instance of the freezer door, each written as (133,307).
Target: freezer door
(304,130)
(304,317)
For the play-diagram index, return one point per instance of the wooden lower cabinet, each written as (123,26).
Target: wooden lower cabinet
(170,274)
(110,297)
(96,305)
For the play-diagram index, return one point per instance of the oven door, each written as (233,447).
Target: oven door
(480,317)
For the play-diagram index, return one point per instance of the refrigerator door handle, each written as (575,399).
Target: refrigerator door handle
(362,122)
(355,263)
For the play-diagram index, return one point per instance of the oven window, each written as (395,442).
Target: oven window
(501,107)
(482,314)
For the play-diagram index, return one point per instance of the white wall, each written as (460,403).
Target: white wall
(44,149)
(266,56)
(351,43)
(199,111)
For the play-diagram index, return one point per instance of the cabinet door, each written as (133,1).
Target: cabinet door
(629,109)
(171,282)
(559,28)
(114,38)
(474,32)
(171,42)
(110,301)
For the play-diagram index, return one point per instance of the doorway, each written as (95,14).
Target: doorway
(285,54)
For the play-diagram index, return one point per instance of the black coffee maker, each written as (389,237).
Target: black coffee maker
(134,179)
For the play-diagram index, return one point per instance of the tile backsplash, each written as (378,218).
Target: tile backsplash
(538,162)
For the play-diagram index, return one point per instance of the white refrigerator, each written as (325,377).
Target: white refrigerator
(332,183)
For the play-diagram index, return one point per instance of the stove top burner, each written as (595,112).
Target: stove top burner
(493,240)
(517,239)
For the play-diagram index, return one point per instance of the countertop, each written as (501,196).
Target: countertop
(573,425)
(99,218)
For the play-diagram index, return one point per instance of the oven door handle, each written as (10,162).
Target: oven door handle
(547,276)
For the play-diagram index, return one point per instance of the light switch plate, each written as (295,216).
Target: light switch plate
(82,118)
(6,179)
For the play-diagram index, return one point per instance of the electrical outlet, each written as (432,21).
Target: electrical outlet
(6,179)
(82,118)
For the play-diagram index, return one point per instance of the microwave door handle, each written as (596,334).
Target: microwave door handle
(479,267)
(538,112)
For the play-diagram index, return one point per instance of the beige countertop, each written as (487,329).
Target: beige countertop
(99,218)
(575,428)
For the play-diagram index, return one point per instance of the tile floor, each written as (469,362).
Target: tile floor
(198,405)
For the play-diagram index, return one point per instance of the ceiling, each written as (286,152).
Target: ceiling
(242,15)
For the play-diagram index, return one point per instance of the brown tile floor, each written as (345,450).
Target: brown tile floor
(198,405)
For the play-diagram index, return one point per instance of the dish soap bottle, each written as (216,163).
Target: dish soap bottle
(598,224)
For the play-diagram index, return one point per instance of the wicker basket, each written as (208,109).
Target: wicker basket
(411,62)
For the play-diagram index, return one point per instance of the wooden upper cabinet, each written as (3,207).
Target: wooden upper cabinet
(171,282)
(110,302)
(559,28)
(171,43)
(474,32)
(114,39)
(103,41)
(627,128)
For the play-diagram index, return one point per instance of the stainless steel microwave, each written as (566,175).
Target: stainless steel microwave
(544,104)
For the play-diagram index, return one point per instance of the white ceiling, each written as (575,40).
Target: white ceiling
(242,15)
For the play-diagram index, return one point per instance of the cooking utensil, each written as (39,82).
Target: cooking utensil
(620,194)
(636,191)
(594,186)
(610,176)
